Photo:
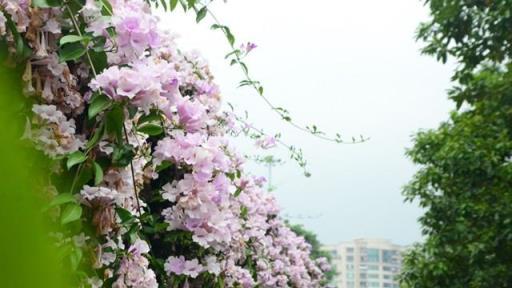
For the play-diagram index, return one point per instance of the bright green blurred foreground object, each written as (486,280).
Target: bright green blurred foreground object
(27,256)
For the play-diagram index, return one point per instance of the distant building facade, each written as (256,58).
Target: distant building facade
(366,263)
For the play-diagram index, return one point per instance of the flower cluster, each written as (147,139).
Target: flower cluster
(53,132)
(165,192)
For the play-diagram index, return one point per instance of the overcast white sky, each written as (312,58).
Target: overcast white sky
(348,66)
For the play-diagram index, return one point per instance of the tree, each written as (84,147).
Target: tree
(465,180)
(472,31)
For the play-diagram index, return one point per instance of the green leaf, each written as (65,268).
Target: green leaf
(45,3)
(191,3)
(227,32)
(184,5)
(22,49)
(220,282)
(106,7)
(201,14)
(216,26)
(125,215)
(132,233)
(98,174)
(154,116)
(99,102)
(122,155)
(84,177)
(164,165)
(243,212)
(99,44)
(64,251)
(151,129)
(62,199)
(70,39)
(164,4)
(75,258)
(174,3)
(229,35)
(98,134)
(244,67)
(115,122)
(71,213)
(72,51)
(75,158)
(234,52)
(99,60)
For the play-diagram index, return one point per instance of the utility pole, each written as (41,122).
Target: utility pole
(270,162)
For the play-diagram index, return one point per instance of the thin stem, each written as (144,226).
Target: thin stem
(77,28)
(133,175)
(267,101)
(106,8)
(76,177)
(295,154)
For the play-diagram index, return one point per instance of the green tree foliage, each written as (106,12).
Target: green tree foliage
(472,31)
(465,180)
(465,186)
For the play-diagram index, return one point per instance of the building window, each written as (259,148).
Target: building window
(372,276)
(389,256)
(392,269)
(350,258)
(350,250)
(373,255)
(373,267)
(351,284)
(373,284)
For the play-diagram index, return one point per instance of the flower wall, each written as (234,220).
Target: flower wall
(142,179)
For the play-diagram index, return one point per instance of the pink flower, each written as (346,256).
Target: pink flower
(212,265)
(2,24)
(107,81)
(192,115)
(175,265)
(266,142)
(192,268)
(246,48)
(129,83)
(180,266)
(139,247)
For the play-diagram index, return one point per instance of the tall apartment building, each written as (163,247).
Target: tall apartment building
(366,263)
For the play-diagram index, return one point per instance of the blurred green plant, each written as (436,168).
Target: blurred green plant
(28,257)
